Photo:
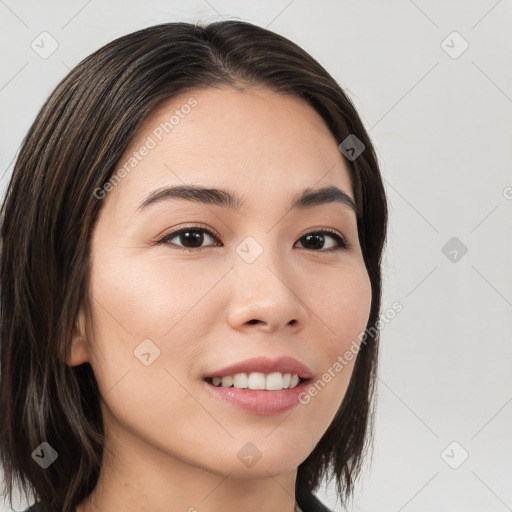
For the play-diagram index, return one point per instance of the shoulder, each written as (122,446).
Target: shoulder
(308,502)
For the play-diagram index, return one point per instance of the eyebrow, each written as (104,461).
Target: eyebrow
(308,198)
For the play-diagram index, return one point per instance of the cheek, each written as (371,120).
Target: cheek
(149,296)
(342,305)
(135,299)
(342,310)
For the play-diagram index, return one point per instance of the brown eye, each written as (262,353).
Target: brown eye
(316,240)
(190,238)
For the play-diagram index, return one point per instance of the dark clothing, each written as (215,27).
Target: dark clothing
(307,502)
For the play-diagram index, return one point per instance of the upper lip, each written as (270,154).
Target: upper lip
(284,364)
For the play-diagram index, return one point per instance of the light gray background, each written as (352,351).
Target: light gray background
(442,128)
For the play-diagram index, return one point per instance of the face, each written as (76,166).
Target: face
(169,310)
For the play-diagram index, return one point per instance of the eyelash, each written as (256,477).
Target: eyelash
(342,242)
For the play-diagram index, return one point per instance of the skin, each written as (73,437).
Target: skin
(168,441)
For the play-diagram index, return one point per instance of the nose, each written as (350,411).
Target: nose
(265,293)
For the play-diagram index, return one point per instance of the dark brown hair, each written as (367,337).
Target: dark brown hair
(50,211)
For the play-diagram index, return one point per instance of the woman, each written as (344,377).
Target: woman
(191,252)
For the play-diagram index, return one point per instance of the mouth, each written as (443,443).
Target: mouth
(261,385)
(258,381)
(258,399)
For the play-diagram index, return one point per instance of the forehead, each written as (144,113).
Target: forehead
(255,141)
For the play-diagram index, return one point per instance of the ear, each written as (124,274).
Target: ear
(79,347)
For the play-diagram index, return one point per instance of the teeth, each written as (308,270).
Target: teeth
(227,381)
(240,380)
(257,380)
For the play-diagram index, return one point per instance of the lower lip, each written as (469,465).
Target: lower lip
(259,401)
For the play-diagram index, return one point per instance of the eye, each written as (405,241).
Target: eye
(193,237)
(316,239)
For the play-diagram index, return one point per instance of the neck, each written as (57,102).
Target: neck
(136,476)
